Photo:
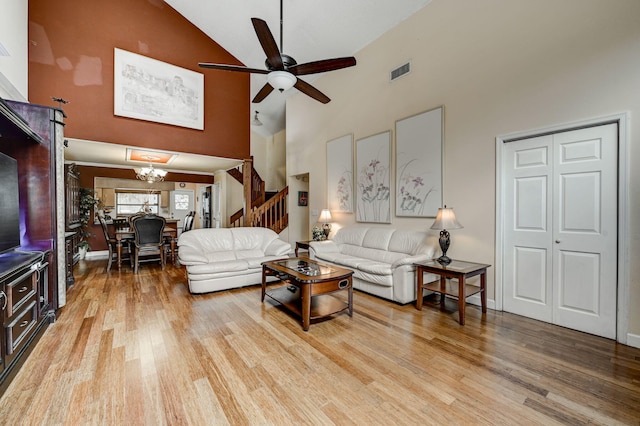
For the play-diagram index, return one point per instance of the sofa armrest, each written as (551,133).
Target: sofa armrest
(409,260)
(191,256)
(322,247)
(277,248)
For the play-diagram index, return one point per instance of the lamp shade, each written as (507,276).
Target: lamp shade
(446,219)
(281,80)
(325,216)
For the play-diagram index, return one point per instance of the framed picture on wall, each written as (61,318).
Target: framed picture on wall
(419,164)
(148,89)
(373,180)
(340,174)
(303,198)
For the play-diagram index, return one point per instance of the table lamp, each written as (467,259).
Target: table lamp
(446,219)
(325,218)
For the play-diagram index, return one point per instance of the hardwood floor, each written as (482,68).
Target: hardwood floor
(139,349)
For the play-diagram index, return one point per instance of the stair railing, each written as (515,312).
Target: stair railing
(256,211)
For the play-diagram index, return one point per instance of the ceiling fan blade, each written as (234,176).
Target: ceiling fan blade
(225,67)
(268,43)
(309,90)
(263,93)
(322,66)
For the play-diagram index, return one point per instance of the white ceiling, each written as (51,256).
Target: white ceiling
(313,30)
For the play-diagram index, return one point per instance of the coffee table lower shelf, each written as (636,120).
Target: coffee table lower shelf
(322,305)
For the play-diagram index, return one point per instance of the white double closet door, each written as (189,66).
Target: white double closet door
(560,239)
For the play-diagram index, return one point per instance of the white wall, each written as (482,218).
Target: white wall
(13,36)
(269,159)
(276,158)
(299,216)
(258,149)
(498,67)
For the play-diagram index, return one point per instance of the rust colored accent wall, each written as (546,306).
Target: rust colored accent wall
(71,49)
(87,173)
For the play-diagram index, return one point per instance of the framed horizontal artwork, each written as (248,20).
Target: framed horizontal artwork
(419,164)
(373,187)
(340,174)
(148,89)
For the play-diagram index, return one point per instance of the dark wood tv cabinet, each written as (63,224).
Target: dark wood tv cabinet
(26,310)
(33,135)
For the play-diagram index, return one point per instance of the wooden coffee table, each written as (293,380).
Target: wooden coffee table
(308,287)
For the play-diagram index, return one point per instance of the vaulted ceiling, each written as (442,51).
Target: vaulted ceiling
(312,30)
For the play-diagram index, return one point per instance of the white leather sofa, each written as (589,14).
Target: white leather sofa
(381,259)
(223,258)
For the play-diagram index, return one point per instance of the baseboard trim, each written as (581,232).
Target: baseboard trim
(475,300)
(100,254)
(633,340)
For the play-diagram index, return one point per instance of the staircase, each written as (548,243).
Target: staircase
(257,210)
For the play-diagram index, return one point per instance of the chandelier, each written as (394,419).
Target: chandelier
(150,174)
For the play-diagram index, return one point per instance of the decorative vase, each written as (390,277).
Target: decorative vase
(82,252)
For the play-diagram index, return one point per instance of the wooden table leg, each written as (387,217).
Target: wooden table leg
(350,299)
(483,293)
(419,290)
(264,282)
(443,292)
(462,303)
(119,252)
(172,243)
(305,300)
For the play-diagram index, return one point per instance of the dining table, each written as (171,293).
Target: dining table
(127,234)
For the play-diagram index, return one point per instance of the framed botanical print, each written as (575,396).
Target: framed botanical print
(373,187)
(340,174)
(419,164)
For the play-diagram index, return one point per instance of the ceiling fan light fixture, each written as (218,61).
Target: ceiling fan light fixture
(281,80)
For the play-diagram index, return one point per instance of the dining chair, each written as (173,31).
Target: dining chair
(188,221)
(111,244)
(148,240)
(133,216)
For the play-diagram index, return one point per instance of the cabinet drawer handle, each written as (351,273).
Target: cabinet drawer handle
(343,284)
(23,289)
(24,323)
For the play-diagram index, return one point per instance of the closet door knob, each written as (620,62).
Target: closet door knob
(557,241)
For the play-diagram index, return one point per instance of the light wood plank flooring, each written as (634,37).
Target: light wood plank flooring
(139,349)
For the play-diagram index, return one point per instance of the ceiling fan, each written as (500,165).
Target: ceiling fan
(282,70)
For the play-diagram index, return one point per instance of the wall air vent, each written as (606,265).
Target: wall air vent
(400,71)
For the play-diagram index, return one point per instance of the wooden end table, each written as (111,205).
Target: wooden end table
(309,287)
(459,270)
(302,245)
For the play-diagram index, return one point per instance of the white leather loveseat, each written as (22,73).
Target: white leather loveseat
(381,259)
(223,258)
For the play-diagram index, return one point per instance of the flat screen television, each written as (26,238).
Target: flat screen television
(9,204)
